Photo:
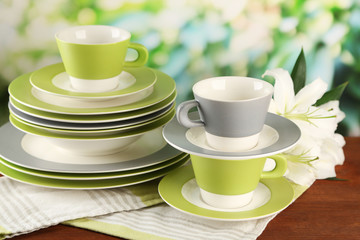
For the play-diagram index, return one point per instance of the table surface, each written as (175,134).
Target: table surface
(330,209)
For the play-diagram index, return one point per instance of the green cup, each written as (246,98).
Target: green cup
(231,183)
(94,56)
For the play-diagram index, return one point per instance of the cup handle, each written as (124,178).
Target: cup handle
(142,58)
(182,116)
(279,170)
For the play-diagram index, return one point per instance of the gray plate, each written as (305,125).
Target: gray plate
(289,135)
(11,151)
(85,126)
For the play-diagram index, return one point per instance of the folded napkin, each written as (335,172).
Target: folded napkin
(122,212)
(25,208)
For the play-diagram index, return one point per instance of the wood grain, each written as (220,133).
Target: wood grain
(328,210)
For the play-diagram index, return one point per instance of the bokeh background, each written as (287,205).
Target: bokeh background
(194,39)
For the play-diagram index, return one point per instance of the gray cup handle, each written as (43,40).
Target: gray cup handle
(182,112)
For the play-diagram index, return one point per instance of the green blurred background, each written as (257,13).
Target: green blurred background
(193,40)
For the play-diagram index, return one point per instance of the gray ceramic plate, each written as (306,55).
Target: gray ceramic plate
(288,135)
(85,126)
(12,151)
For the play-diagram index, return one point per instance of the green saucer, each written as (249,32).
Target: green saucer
(20,89)
(87,184)
(43,79)
(171,189)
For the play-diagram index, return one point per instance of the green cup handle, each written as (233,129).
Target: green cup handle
(142,58)
(279,170)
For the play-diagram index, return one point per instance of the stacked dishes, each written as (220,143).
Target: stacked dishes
(66,137)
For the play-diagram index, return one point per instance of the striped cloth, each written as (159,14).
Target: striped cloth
(122,212)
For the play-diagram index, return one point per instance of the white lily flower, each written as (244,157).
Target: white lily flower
(319,148)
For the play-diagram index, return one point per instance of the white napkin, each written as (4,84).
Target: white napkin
(25,208)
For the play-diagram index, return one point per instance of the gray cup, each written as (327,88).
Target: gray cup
(232,111)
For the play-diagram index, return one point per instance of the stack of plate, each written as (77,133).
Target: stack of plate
(63,138)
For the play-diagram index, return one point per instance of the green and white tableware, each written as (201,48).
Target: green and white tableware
(31,152)
(94,56)
(95,176)
(87,184)
(180,190)
(231,183)
(100,118)
(54,80)
(22,91)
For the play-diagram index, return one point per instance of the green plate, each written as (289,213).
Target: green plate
(171,191)
(101,118)
(20,89)
(93,132)
(101,134)
(87,184)
(92,176)
(43,79)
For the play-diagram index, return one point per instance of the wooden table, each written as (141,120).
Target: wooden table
(328,210)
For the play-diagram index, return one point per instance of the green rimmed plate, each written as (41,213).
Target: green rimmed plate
(147,151)
(20,89)
(75,133)
(54,80)
(87,184)
(179,191)
(101,118)
(91,134)
(93,176)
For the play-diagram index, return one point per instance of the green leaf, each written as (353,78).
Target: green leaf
(336,179)
(333,94)
(298,73)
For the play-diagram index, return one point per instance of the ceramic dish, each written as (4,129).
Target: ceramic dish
(93,144)
(22,91)
(93,176)
(87,184)
(85,126)
(54,80)
(287,131)
(179,190)
(74,133)
(101,118)
(41,155)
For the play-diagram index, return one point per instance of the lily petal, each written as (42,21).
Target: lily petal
(283,89)
(309,94)
(300,173)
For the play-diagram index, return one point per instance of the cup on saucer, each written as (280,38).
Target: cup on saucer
(232,110)
(94,56)
(230,184)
